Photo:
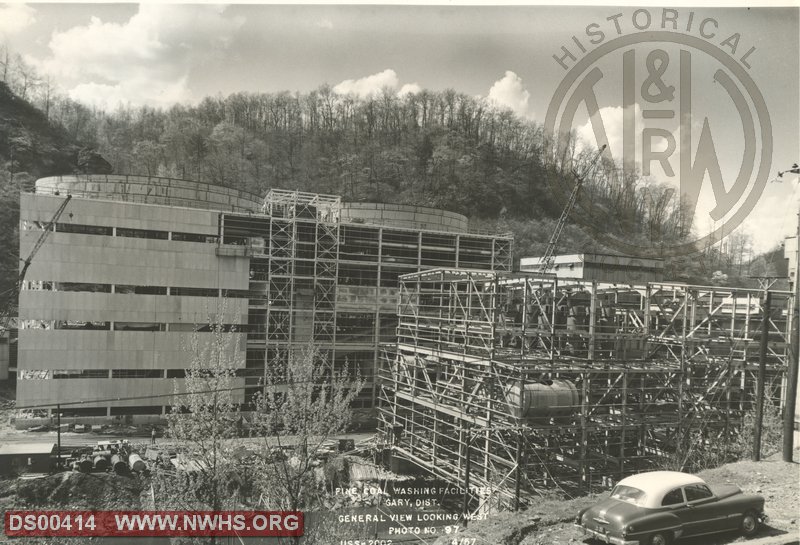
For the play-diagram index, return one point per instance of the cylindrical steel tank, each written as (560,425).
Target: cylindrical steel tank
(151,190)
(136,463)
(557,398)
(118,464)
(404,215)
(100,463)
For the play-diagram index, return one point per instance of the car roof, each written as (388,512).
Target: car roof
(655,484)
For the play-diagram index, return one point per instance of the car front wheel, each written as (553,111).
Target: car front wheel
(658,539)
(749,524)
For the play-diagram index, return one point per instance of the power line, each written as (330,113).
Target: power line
(129,398)
(157,396)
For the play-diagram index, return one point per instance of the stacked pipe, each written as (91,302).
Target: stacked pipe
(119,465)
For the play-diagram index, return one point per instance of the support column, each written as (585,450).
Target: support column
(592,320)
(762,371)
(582,479)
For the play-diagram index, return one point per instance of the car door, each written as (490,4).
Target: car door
(690,517)
(676,503)
(702,511)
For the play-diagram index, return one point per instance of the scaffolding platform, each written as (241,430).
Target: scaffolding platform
(529,382)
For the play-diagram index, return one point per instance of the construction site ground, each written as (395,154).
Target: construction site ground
(549,520)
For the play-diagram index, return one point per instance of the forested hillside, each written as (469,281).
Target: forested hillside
(441,149)
(30,146)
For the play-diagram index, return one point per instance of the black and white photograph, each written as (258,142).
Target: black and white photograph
(389,273)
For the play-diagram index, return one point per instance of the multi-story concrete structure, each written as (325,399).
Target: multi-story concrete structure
(137,266)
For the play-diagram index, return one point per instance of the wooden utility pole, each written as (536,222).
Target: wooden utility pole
(467,463)
(58,434)
(518,472)
(762,371)
(791,379)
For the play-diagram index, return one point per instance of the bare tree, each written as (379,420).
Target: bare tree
(26,76)
(47,95)
(5,60)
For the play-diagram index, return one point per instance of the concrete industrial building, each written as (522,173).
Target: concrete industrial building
(600,267)
(27,458)
(137,265)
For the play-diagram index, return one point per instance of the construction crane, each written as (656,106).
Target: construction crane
(6,311)
(550,254)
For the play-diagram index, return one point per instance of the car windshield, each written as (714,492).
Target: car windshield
(628,494)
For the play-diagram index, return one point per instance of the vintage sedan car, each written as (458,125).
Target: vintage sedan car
(658,507)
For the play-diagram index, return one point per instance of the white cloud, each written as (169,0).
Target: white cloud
(111,96)
(375,84)
(612,117)
(510,92)
(369,85)
(409,89)
(146,60)
(14,18)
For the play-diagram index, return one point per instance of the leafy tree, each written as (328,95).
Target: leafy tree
(205,420)
(442,149)
(148,155)
(305,403)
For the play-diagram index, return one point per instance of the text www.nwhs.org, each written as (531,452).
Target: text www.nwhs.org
(153,523)
(202,522)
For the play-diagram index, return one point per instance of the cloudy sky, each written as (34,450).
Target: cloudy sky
(105,54)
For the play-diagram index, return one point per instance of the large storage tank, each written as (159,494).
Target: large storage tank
(151,190)
(404,215)
(544,400)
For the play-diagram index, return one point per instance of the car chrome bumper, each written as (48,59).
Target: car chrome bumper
(605,538)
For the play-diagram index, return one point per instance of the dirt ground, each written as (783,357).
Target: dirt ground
(549,521)
(72,490)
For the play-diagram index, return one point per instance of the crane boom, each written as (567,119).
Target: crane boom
(41,240)
(549,257)
(14,293)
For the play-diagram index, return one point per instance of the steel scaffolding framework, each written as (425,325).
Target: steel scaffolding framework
(301,256)
(543,382)
(315,277)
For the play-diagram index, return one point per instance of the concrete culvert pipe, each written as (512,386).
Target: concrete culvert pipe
(100,463)
(136,463)
(118,464)
(85,465)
